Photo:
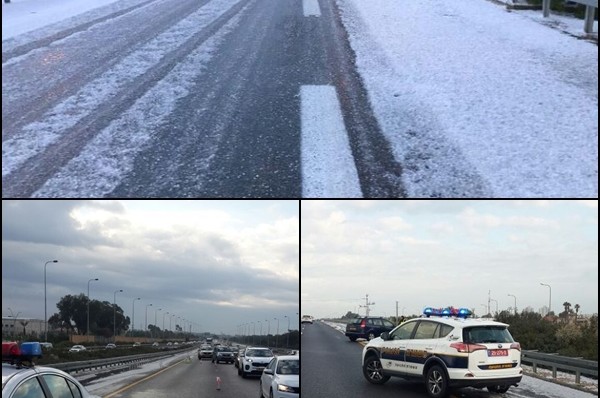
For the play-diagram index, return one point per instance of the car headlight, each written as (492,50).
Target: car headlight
(284,388)
(249,360)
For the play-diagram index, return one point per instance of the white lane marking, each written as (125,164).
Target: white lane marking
(37,136)
(328,168)
(311,8)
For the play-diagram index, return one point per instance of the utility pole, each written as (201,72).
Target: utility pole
(367,304)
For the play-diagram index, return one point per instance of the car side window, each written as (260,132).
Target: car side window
(426,330)
(272,364)
(74,389)
(403,332)
(377,322)
(388,324)
(444,330)
(58,386)
(29,389)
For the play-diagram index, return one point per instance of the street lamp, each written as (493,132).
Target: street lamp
(277,335)
(166,313)
(268,330)
(133,315)
(260,338)
(88,305)
(253,331)
(45,305)
(146,325)
(155,312)
(288,333)
(550,300)
(515,297)
(115,315)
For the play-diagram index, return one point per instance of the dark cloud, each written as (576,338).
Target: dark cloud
(49,222)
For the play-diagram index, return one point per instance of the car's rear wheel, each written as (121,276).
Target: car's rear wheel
(437,382)
(352,338)
(498,389)
(373,371)
(371,336)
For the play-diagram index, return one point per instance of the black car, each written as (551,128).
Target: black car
(223,354)
(367,328)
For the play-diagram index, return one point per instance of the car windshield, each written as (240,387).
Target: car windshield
(259,353)
(288,367)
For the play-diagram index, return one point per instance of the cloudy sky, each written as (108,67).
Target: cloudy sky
(218,264)
(441,253)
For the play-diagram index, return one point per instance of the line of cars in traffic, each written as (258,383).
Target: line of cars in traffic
(279,375)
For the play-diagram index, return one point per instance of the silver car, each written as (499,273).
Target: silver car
(21,378)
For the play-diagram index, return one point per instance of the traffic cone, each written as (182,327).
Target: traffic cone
(218,383)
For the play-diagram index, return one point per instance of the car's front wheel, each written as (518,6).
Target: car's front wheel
(437,382)
(373,371)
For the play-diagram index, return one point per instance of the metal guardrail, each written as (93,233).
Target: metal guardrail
(110,363)
(556,362)
(588,25)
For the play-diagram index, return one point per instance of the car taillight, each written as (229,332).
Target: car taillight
(462,347)
(516,346)
(363,323)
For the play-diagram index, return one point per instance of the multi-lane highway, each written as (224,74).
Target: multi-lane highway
(331,367)
(190,377)
(188,98)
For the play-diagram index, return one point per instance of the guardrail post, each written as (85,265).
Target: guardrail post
(554,372)
(577,376)
(546,8)
(588,27)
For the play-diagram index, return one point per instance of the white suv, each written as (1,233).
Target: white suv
(254,361)
(446,352)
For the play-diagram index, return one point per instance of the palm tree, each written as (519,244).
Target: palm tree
(577,307)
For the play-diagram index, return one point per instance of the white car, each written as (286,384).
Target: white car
(449,351)
(254,361)
(307,319)
(77,348)
(281,378)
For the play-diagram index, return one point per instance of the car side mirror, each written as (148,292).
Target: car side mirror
(268,371)
(385,336)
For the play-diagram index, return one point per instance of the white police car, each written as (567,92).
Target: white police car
(21,378)
(449,351)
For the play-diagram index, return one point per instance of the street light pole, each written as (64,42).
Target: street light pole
(133,315)
(549,301)
(146,325)
(515,297)
(115,315)
(288,333)
(166,313)
(45,305)
(277,335)
(88,305)
(268,330)
(155,312)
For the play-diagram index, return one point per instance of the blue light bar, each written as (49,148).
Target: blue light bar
(448,311)
(31,350)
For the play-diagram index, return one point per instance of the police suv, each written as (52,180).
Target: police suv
(445,352)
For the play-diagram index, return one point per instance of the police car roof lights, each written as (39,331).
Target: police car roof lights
(448,311)
(20,355)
